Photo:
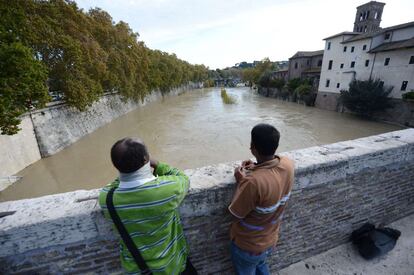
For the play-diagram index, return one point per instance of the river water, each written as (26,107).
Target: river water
(190,130)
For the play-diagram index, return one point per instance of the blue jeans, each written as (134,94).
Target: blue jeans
(245,263)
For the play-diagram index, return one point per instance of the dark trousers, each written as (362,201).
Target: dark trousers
(189,269)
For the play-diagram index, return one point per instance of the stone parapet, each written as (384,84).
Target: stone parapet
(338,187)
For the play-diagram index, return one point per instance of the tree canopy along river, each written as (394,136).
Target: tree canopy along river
(191,130)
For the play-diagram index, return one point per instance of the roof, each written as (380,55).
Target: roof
(307,54)
(366,35)
(371,2)
(403,44)
(342,33)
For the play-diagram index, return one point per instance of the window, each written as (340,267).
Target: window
(352,64)
(411,60)
(345,49)
(327,83)
(376,15)
(367,63)
(387,36)
(337,85)
(352,49)
(329,45)
(330,65)
(342,65)
(404,85)
(296,65)
(307,62)
(364,47)
(367,14)
(365,29)
(320,63)
(387,61)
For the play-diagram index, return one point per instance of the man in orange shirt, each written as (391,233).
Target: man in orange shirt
(263,189)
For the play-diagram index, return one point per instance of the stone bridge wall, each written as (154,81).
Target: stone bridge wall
(338,187)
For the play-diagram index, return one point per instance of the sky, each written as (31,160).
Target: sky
(221,33)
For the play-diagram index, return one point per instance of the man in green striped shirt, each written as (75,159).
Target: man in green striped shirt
(147,204)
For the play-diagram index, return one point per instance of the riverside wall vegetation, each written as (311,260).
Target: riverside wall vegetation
(338,187)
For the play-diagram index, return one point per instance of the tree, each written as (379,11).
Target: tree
(293,84)
(303,89)
(82,55)
(277,83)
(366,97)
(22,85)
(265,79)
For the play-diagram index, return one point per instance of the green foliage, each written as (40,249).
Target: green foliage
(250,75)
(85,54)
(293,84)
(305,93)
(303,89)
(277,83)
(366,97)
(254,75)
(208,83)
(22,85)
(408,95)
(265,79)
(226,98)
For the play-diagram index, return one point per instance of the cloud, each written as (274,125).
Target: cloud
(221,33)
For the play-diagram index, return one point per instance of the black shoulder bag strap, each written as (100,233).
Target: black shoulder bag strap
(125,236)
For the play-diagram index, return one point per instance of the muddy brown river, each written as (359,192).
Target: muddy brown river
(190,130)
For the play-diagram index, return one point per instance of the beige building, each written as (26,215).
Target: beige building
(386,54)
(305,65)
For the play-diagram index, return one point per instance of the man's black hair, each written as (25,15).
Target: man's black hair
(265,139)
(128,155)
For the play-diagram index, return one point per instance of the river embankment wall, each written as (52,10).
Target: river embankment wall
(18,151)
(401,112)
(338,187)
(54,128)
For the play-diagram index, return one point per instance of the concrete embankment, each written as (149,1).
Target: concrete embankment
(338,187)
(401,112)
(18,151)
(58,126)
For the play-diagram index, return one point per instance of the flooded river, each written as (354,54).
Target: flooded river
(187,131)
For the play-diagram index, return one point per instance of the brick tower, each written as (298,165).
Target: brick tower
(368,17)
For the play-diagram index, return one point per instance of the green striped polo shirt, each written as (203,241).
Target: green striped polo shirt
(150,215)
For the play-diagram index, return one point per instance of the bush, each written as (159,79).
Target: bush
(277,83)
(304,92)
(366,97)
(303,89)
(226,98)
(265,80)
(409,95)
(293,84)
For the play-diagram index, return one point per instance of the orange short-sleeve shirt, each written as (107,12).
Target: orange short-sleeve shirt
(258,202)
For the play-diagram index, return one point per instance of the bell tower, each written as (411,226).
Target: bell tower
(368,17)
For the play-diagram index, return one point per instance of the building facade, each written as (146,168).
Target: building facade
(386,54)
(304,64)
